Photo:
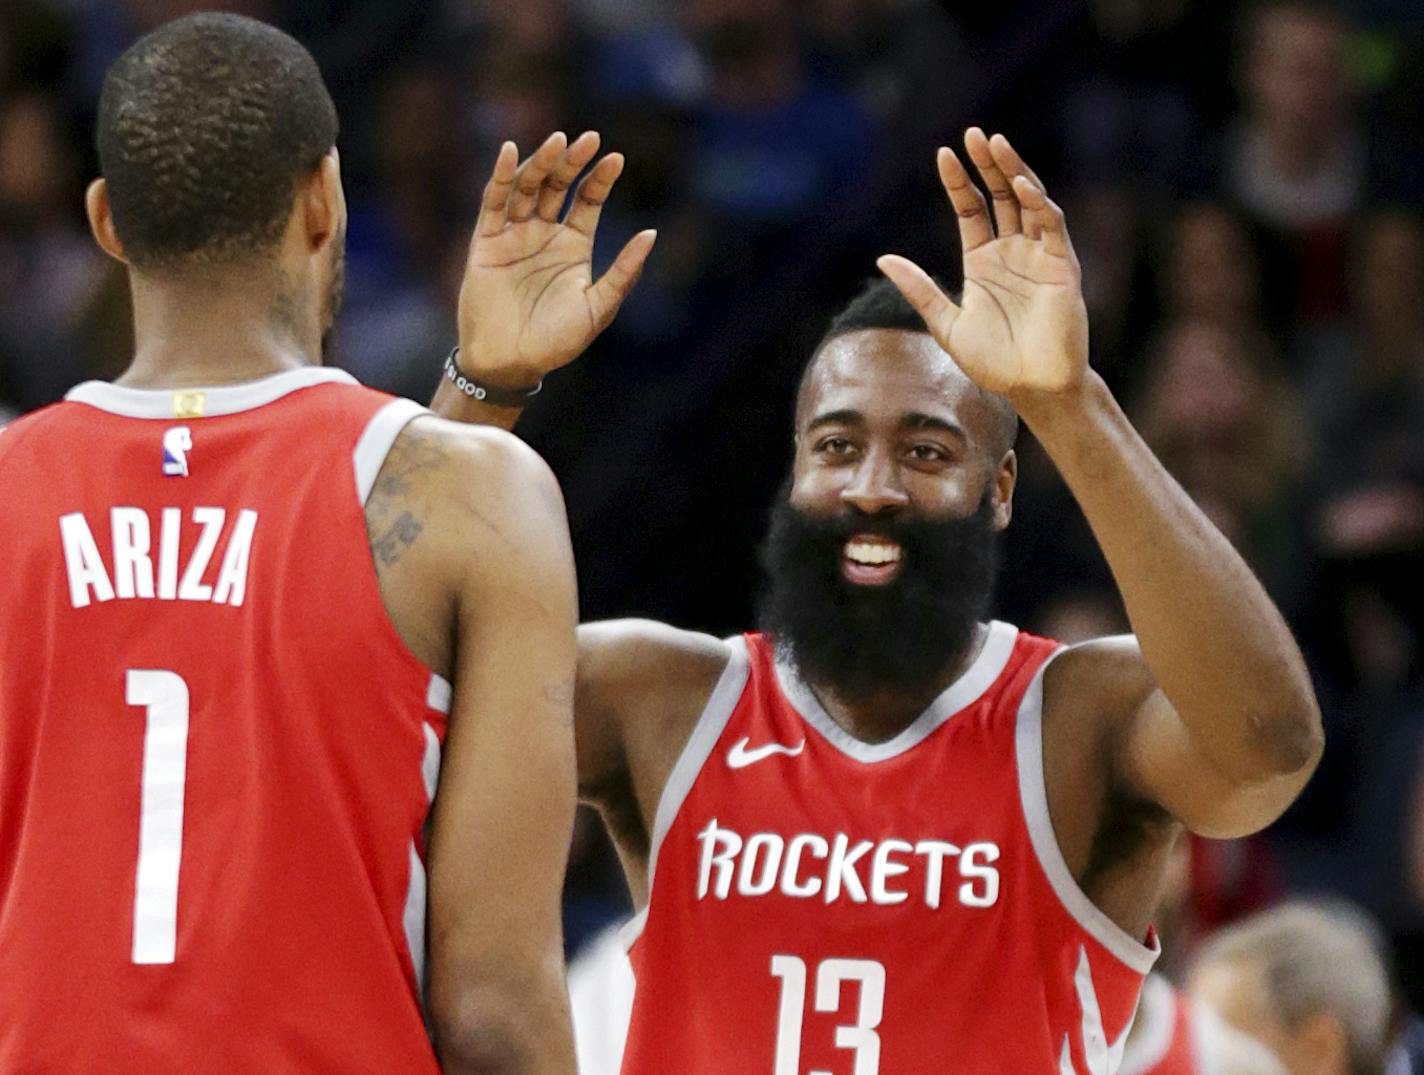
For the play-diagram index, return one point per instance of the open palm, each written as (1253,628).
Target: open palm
(528,302)
(1021,324)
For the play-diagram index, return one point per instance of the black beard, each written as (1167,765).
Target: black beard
(866,641)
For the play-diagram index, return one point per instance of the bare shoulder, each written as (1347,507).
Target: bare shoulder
(651,654)
(433,452)
(449,502)
(1097,672)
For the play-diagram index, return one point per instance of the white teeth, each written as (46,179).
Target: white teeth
(864,552)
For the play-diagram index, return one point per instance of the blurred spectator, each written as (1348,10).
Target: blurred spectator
(1106,238)
(601,987)
(398,319)
(1306,982)
(1365,385)
(1300,160)
(1228,429)
(1297,158)
(1073,616)
(50,269)
(771,145)
(1209,271)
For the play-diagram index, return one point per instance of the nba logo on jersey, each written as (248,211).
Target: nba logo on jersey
(177,443)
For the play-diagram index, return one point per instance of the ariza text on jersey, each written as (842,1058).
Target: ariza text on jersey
(131,570)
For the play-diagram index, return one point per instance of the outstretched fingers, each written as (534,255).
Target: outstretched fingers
(1012,165)
(556,186)
(1049,220)
(974,227)
(607,295)
(938,310)
(495,203)
(592,193)
(529,181)
(1006,207)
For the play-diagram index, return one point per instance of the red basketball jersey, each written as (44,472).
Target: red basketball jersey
(823,905)
(216,755)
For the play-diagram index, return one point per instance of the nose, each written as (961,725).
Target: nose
(875,487)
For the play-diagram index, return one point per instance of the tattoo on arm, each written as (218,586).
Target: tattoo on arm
(402,534)
(397,506)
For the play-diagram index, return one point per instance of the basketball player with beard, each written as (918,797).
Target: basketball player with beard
(883,835)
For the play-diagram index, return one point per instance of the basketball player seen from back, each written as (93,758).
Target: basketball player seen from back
(253,614)
(885,836)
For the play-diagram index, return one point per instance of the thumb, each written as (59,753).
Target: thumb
(922,293)
(608,293)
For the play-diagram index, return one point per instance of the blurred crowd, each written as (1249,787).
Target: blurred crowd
(1243,183)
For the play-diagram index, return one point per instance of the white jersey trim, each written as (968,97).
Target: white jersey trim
(439,693)
(376,441)
(413,918)
(1033,795)
(967,689)
(219,400)
(705,734)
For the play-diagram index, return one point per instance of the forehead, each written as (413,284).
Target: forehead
(883,374)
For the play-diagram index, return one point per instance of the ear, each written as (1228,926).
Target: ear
(324,203)
(101,220)
(1006,477)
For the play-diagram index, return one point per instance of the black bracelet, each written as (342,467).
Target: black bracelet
(498,397)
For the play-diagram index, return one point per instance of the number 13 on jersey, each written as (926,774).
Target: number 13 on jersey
(830,974)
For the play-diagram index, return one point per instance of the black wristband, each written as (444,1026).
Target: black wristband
(498,397)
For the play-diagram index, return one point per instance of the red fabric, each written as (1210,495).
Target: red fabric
(303,790)
(974,990)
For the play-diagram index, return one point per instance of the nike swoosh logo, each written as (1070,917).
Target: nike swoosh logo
(739,757)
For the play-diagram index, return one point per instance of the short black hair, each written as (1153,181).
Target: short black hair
(205,127)
(879,305)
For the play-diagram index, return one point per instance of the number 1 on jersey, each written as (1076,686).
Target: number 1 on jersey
(830,973)
(160,829)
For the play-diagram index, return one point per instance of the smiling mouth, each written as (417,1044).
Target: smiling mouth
(868,560)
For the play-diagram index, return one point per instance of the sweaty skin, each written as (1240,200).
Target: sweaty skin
(1204,719)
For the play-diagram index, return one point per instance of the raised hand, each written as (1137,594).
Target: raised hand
(528,302)
(1021,326)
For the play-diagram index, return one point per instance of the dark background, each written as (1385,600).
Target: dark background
(1242,183)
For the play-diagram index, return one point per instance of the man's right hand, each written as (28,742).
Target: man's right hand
(528,303)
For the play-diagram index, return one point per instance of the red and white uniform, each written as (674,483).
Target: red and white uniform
(1173,1036)
(216,755)
(823,905)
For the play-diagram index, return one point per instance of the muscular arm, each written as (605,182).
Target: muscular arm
(641,687)
(470,540)
(1210,710)
(1209,714)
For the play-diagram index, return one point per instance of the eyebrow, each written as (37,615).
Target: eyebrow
(918,420)
(912,420)
(836,418)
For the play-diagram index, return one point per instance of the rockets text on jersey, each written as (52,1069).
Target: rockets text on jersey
(899,907)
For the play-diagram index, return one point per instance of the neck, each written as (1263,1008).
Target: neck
(211,330)
(878,717)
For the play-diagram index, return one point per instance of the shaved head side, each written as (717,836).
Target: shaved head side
(880,306)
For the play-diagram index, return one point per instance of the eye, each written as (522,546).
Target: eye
(835,446)
(928,453)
